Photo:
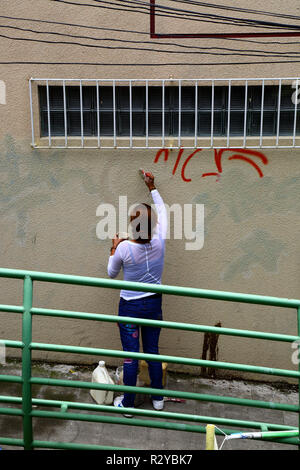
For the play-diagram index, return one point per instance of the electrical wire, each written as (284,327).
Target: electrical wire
(231,50)
(138,32)
(221,20)
(136,10)
(144,49)
(159,64)
(144,33)
(34,20)
(266,43)
(238,9)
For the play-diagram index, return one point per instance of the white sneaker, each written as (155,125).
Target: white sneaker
(118,403)
(158,404)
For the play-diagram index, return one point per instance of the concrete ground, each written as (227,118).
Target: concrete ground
(129,436)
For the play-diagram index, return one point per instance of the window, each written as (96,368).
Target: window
(187,111)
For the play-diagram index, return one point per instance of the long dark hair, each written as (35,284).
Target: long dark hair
(144,229)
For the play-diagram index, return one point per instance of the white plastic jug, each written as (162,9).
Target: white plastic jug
(101,376)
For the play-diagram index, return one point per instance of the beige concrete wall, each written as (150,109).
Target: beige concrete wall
(49,199)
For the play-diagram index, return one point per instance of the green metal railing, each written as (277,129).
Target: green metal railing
(27,401)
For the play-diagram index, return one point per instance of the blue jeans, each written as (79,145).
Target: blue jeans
(147,307)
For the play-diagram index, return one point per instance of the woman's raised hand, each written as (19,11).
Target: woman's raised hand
(149,180)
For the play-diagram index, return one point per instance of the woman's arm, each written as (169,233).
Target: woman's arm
(115,259)
(162,217)
(114,264)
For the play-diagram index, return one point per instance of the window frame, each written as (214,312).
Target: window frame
(173,111)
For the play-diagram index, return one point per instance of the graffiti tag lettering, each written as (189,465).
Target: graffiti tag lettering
(244,155)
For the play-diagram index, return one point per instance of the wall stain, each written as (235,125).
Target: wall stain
(241,200)
(210,349)
(260,249)
(29,179)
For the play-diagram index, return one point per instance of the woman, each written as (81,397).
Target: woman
(142,259)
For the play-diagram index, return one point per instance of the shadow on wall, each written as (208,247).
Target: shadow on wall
(30,178)
(242,199)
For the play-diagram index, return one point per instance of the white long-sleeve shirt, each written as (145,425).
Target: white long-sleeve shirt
(142,262)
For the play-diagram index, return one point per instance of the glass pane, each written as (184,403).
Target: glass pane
(187,98)
(271,97)
(56,123)
(287,123)
(237,100)
(138,98)
(205,97)
(155,124)
(204,124)
(123,123)
(73,97)
(187,124)
(74,123)
(56,97)
(106,123)
(269,123)
(287,96)
(236,123)
(139,124)
(255,95)
(155,97)
(88,97)
(122,93)
(105,97)
(42,97)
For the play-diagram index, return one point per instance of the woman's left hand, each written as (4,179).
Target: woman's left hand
(115,242)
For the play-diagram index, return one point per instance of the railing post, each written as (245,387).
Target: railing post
(26,363)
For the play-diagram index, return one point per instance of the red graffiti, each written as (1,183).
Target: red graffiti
(239,154)
(166,156)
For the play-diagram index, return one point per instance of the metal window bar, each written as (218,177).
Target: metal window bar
(81,114)
(228,115)
(277,140)
(65,114)
(28,312)
(147,114)
(245,114)
(262,113)
(196,115)
(212,113)
(278,113)
(31,114)
(130,112)
(295,112)
(98,114)
(163,114)
(179,113)
(48,113)
(114,113)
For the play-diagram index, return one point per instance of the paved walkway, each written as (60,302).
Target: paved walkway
(129,436)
